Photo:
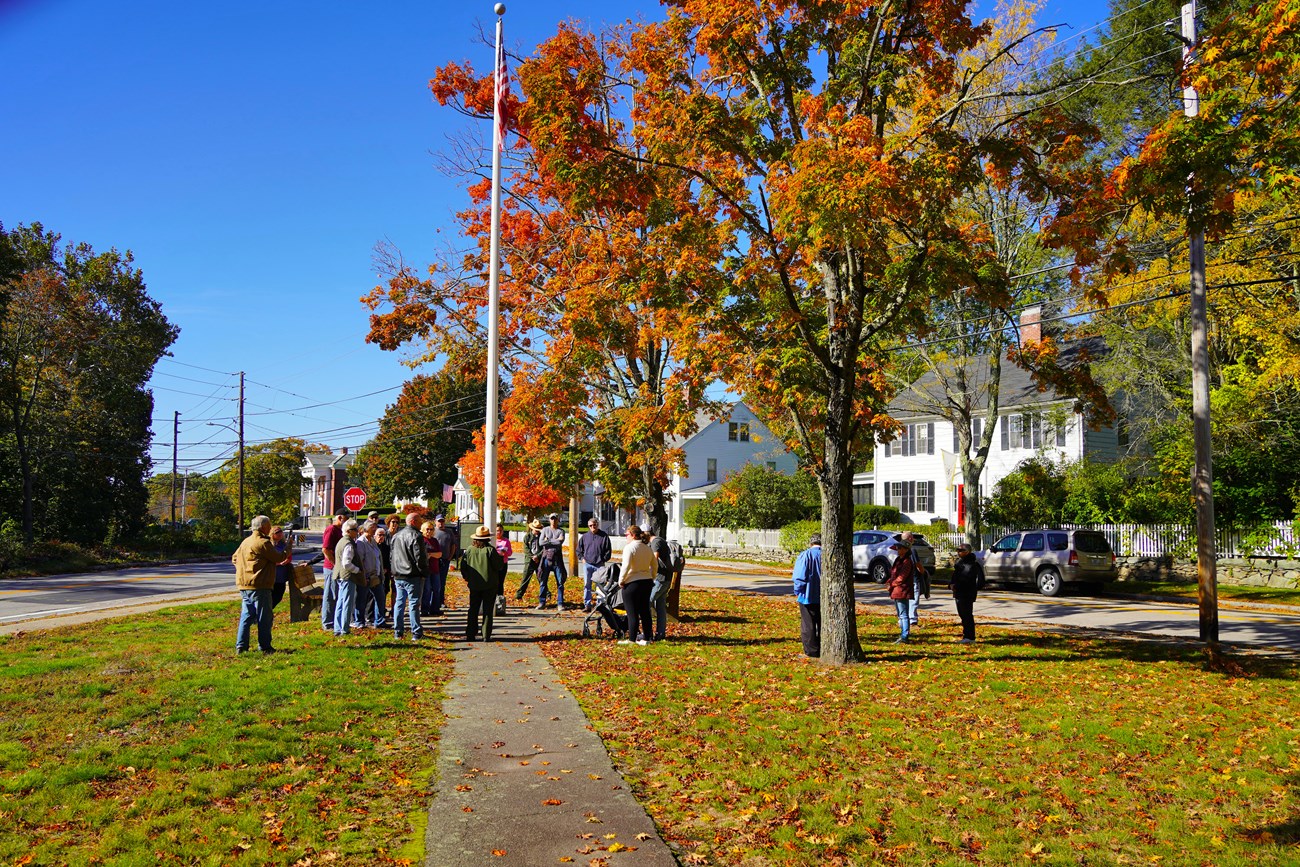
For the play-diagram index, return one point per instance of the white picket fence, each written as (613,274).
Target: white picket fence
(1277,539)
(718,537)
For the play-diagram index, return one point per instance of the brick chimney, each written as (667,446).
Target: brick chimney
(1031,325)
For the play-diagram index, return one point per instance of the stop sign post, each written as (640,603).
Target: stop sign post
(355,499)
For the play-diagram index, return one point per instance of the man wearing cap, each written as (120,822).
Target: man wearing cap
(552,542)
(594,550)
(967,580)
(329,589)
(349,573)
(532,559)
(255,563)
(479,566)
(808,592)
(410,561)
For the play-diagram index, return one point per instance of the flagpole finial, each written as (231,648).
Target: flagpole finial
(499,9)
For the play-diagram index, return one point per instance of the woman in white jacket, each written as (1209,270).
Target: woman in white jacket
(637,578)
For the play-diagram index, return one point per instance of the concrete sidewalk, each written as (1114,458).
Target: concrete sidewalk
(522,777)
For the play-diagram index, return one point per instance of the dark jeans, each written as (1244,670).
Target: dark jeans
(479,601)
(636,598)
(277,593)
(810,629)
(966,611)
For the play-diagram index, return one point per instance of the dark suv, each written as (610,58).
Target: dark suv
(1049,558)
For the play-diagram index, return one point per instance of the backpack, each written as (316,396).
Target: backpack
(677,555)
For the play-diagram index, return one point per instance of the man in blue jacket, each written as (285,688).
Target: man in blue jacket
(808,592)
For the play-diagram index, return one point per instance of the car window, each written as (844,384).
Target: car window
(1091,543)
(875,538)
(859,538)
(1033,542)
(1058,541)
(918,539)
(1007,543)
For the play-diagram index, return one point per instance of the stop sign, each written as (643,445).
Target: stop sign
(355,499)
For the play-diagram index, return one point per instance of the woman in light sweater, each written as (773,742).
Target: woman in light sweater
(637,578)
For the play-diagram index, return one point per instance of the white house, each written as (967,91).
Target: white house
(324,481)
(718,448)
(919,472)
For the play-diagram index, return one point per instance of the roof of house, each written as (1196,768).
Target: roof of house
(1018,388)
(319,461)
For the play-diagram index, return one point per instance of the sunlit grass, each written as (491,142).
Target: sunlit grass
(147,740)
(1026,747)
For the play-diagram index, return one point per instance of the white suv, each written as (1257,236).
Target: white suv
(874,554)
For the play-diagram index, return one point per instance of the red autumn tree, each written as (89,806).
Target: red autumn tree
(605,260)
(825,142)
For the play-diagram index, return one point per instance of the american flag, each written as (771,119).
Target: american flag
(499,133)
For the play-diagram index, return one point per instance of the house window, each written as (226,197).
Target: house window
(864,495)
(1121,432)
(713,470)
(1022,431)
(1060,434)
(913,439)
(910,496)
(738,431)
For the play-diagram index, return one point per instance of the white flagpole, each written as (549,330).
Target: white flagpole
(494,290)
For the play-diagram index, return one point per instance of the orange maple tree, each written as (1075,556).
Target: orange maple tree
(604,262)
(824,142)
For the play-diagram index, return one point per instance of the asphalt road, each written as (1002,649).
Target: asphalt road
(24,600)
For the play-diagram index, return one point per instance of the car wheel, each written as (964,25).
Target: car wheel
(1049,582)
(880,571)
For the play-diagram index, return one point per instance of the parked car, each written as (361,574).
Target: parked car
(873,553)
(1049,558)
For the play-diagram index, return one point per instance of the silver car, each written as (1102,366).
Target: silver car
(873,553)
(1048,558)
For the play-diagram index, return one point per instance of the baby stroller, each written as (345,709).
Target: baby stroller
(609,604)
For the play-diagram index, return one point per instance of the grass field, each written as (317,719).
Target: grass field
(148,741)
(1026,748)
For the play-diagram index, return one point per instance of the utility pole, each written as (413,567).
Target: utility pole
(241,453)
(1202,476)
(176,435)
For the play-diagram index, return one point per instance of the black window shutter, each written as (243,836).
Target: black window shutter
(1005,423)
(929,438)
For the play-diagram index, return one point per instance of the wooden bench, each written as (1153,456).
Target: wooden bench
(303,602)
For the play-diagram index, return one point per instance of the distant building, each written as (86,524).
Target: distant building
(325,481)
(919,472)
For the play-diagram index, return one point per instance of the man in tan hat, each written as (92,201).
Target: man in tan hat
(480,565)
(532,556)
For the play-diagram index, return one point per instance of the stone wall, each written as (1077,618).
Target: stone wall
(1250,571)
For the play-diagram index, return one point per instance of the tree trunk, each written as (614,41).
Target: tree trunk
(840,642)
(25,469)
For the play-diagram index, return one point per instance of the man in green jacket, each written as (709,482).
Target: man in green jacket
(255,563)
(480,564)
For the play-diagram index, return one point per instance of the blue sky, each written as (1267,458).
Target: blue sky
(251,155)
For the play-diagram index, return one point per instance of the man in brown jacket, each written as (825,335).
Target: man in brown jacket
(255,563)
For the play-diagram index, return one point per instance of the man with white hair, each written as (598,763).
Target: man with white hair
(349,573)
(370,595)
(255,563)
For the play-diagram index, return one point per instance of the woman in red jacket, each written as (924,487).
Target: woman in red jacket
(901,578)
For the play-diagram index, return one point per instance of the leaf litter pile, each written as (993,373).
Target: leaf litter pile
(1027,747)
(147,741)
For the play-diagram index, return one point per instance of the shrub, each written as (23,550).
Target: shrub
(872,517)
(11,543)
(756,498)
(794,536)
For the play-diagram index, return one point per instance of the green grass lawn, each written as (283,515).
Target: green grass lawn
(148,741)
(1025,748)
